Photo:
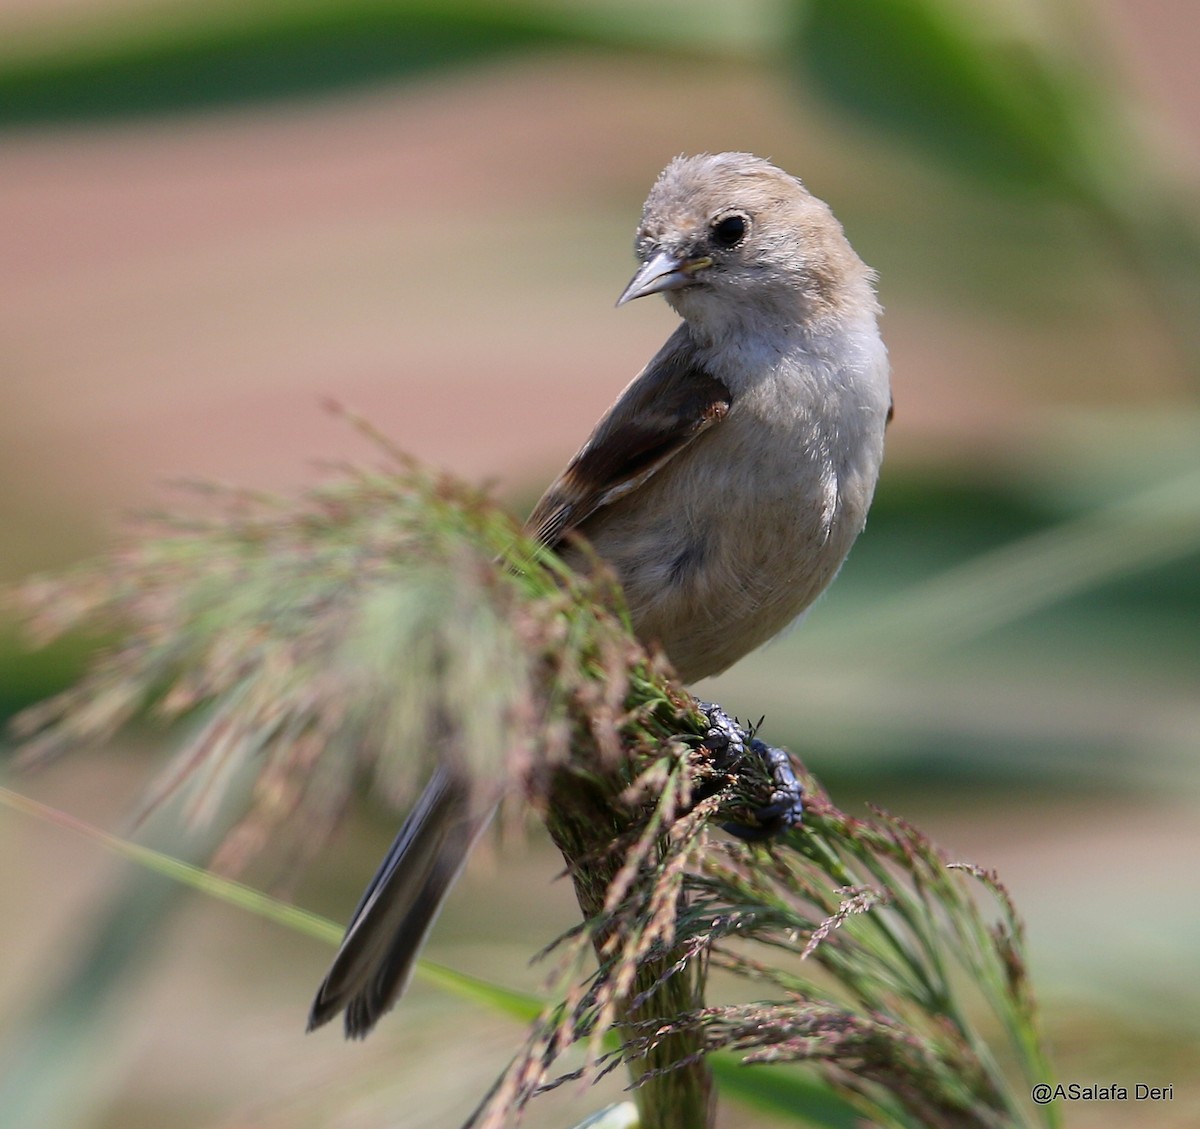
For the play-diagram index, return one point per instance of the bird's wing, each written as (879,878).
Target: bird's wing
(670,403)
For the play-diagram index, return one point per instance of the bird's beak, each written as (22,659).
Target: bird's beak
(663,272)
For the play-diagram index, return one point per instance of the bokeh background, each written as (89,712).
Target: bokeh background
(213,215)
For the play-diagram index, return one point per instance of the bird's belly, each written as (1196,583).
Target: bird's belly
(724,569)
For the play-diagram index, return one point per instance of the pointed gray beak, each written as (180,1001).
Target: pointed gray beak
(663,272)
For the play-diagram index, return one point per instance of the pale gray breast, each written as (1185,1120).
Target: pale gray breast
(729,542)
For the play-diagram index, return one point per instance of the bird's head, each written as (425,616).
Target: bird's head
(731,241)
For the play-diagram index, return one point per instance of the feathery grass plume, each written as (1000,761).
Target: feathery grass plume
(358,630)
(389,616)
(892,981)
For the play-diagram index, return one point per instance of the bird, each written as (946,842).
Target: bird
(724,487)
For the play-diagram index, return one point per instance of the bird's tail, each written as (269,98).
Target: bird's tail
(386,932)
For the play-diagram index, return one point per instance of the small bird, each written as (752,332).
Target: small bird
(724,487)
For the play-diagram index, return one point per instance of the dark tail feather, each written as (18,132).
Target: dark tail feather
(386,932)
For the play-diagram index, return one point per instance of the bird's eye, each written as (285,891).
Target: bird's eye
(729,231)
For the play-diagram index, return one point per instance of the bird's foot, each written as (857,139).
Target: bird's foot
(731,748)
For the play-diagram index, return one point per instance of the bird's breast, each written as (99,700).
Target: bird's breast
(738,534)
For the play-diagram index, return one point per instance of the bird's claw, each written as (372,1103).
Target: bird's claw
(785,809)
(724,738)
(727,742)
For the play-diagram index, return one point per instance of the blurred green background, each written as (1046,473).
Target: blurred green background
(214,214)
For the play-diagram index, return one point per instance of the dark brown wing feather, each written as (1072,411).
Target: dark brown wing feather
(670,403)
